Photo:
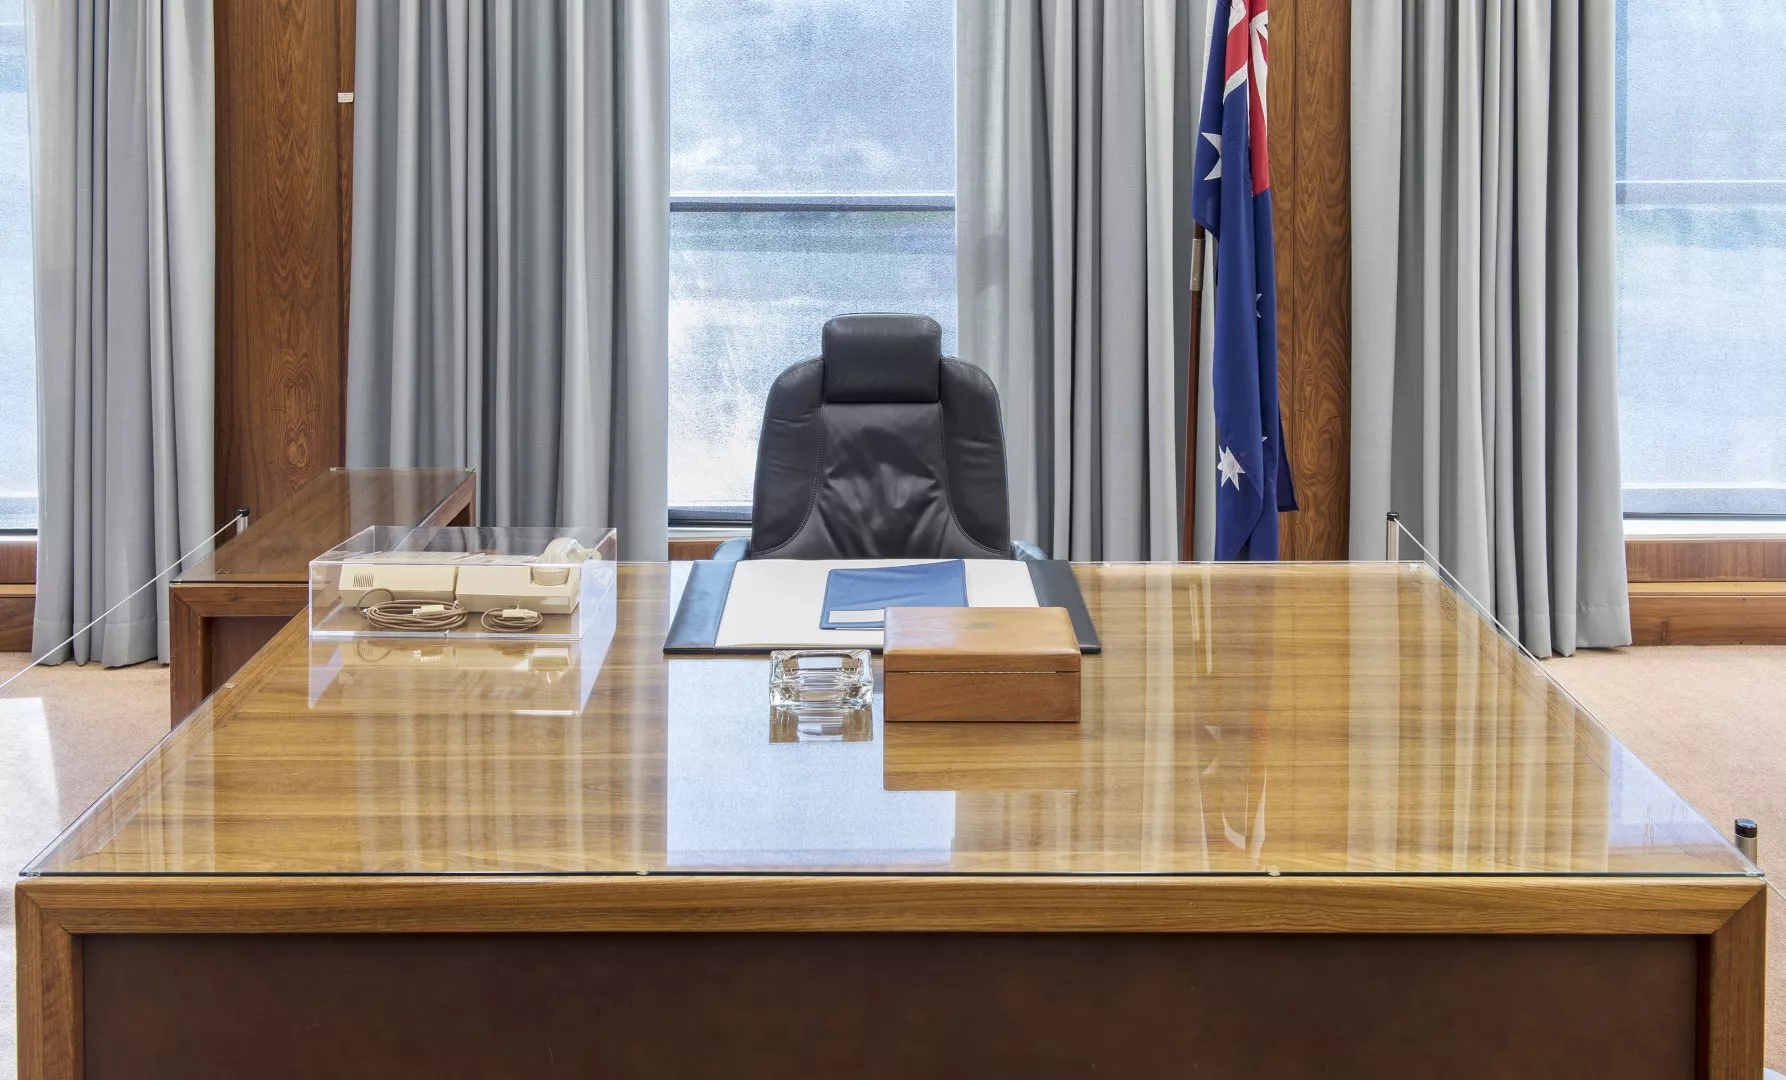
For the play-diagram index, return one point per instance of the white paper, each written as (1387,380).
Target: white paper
(864,615)
(775,603)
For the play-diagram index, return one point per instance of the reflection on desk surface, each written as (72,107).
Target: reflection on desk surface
(330,508)
(1312,718)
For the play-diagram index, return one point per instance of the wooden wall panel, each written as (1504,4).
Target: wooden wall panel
(18,560)
(1708,613)
(1697,558)
(344,83)
(18,606)
(281,279)
(1702,590)
(1309,107)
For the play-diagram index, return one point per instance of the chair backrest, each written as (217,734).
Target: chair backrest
(881,448)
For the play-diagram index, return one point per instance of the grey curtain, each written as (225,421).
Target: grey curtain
(1072,150)
(1484,369)
(510,269)
(121,98)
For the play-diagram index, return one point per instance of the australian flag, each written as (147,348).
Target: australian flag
(1232,200)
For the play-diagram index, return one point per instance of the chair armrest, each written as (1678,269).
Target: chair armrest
(1026,551)
(736,549)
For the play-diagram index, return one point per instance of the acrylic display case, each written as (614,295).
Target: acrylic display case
(444,582)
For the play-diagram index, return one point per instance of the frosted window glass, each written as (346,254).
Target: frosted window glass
(18,363)
(812,95)
(1702,256)
(773,98)
(748,296)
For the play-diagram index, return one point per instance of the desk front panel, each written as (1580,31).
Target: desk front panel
(882,1005)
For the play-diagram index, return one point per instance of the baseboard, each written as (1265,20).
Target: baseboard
(1708,613)
(18,605)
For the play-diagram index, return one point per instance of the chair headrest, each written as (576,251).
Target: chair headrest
(882,358)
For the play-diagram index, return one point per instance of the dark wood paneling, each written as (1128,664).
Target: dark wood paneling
(1281,109)
(888,1005)
(18,606)
(1733,994)
(232,640)
(344,116)
(696,547)
(280,276)
(229,605)
(1310,182)
(49,994)
(18,560)
(188,666)
(1699,558)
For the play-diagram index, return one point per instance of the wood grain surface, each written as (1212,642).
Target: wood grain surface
(1291,749)
(18,607)
(1311,192)
(345,14)
(279,269)
(1302,719)
(18,560)
(49,992)
(1708,613)
(332,506)
(793,904)
(1705,558)
(1733,993)
(228,606)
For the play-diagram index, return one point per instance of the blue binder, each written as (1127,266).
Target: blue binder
(859,599)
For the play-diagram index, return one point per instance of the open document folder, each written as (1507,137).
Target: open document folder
(857,598)
(781,603)
(758,605)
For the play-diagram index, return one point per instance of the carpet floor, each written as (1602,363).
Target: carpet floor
(1711,721)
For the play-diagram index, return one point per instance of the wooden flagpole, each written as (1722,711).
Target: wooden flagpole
(1193,383)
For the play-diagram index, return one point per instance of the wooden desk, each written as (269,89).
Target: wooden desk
(228,606)
(1317,820)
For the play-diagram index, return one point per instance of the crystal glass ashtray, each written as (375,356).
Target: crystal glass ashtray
(822,680)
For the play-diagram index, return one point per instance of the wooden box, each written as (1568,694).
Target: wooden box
(980,664)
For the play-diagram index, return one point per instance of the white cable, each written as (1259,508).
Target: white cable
(168,569)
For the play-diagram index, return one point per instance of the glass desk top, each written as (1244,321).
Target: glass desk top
(1319,718)
(333,506)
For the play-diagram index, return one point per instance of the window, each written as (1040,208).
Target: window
(18,361)
(812,171)
(1702,256)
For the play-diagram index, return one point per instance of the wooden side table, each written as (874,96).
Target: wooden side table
(227,607)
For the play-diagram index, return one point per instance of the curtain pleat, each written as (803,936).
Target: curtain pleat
(122,190)
(1484,394)
(1071,121)
(510,273)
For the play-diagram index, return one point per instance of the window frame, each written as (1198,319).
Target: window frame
(917,202)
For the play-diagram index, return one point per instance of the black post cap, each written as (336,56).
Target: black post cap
(1747,829)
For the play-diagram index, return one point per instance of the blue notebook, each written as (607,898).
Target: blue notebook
(859,599)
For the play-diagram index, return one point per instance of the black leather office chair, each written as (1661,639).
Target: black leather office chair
(880,448)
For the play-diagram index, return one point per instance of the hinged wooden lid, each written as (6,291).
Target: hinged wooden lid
(980,639)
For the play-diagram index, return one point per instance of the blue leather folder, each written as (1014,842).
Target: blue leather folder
(858,599)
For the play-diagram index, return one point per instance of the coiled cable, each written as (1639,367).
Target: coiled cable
(420,615)
(516,620)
